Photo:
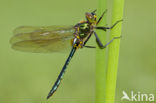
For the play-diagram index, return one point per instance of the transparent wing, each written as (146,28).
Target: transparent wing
(42,39)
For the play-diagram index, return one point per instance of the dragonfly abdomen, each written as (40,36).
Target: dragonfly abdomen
(58,81)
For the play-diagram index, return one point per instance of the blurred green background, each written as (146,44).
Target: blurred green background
(28,77)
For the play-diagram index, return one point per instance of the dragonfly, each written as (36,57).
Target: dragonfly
(58,38)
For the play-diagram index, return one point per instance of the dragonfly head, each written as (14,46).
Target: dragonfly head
(91,17)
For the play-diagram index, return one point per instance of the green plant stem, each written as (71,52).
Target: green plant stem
(101,57)
(113,54)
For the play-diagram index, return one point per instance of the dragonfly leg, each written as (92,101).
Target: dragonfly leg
(84,44)
(105,28)
(93,11)
(90,46)
(101,17)
(87,38)
(100,43)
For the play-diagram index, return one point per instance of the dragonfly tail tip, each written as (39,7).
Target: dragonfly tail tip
(48,97)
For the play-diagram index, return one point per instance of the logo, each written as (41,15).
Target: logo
(137,96)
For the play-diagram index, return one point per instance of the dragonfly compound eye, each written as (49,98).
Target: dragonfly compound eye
(91,17)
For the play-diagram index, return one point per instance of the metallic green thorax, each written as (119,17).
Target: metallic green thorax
(84,30)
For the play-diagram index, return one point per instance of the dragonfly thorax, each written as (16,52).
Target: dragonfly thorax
(84,30)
